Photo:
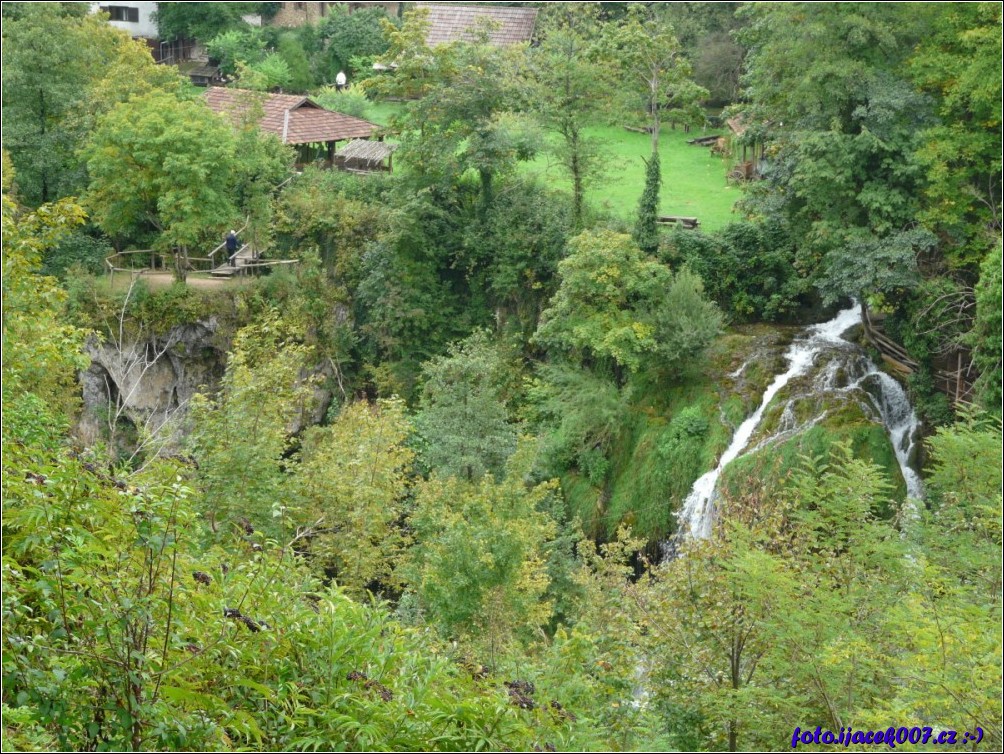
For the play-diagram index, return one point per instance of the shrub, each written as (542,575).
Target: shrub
(747,268)
(77,250)
(349,101)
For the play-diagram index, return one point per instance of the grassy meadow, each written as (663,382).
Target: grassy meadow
(693,179)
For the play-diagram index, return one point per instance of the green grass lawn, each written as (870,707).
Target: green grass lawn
(382,112)
(693,179)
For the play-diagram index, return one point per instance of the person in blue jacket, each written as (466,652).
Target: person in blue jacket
(232,245)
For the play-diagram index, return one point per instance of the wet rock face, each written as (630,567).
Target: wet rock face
(829,391)
(846,394)
(148,382)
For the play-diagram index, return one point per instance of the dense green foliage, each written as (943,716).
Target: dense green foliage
(352,41)
(707,38)
(811,603)
(467,116)
(353,485)
(655,78)
(617,309)
(297,59)
(173,174)
(418,489)
(572,74)
(988,352)
(747,268)
(463,412)
(479,566)
(158,166)
(351,102)
(60,72)
(881,136)
(79,252)
(202,22)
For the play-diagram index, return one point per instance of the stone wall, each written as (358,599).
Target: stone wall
(298,14)
(148,383)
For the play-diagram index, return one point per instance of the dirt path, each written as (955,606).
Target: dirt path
(201,281)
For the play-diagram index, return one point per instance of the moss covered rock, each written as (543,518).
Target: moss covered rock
(676,433)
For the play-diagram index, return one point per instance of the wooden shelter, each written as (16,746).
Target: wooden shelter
(749,167)
(365,156)
(204,75)
(459,23)
(297,120)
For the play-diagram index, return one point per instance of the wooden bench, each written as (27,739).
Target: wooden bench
(690,223)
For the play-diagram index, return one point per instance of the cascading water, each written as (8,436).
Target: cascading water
(890,402)
(849,370)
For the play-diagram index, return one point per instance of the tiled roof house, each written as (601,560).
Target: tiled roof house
(295,119)
(292,117)
(453,23)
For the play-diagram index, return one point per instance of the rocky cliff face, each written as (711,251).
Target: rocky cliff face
(141,387)
(147,383)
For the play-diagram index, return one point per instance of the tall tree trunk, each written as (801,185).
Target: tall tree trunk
(578,187)
(486,189)
(181,264)
(653,104)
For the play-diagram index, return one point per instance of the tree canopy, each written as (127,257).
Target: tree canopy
(160,167)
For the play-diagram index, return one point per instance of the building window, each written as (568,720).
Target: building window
(122,13)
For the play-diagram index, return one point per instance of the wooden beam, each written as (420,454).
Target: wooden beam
(704,141)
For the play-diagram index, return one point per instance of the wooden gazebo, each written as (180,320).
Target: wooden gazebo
(365,156)
(314,130)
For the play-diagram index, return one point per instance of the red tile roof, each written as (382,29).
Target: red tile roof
(292,117)
(453,23)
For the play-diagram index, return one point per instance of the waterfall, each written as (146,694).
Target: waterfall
(850,366)
(900,421)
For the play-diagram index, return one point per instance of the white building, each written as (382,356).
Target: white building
(135,18)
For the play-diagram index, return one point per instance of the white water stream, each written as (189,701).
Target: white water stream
(887,397)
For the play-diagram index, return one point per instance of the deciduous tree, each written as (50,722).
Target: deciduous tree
(959,61)
(242,434)
(464,417)
(41,352)
(615,307)
(60,71)
(161,170)
(468,96)
(655,75)
(350,38)
(574,88)
(204,21)
(479,568)
(353,484)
